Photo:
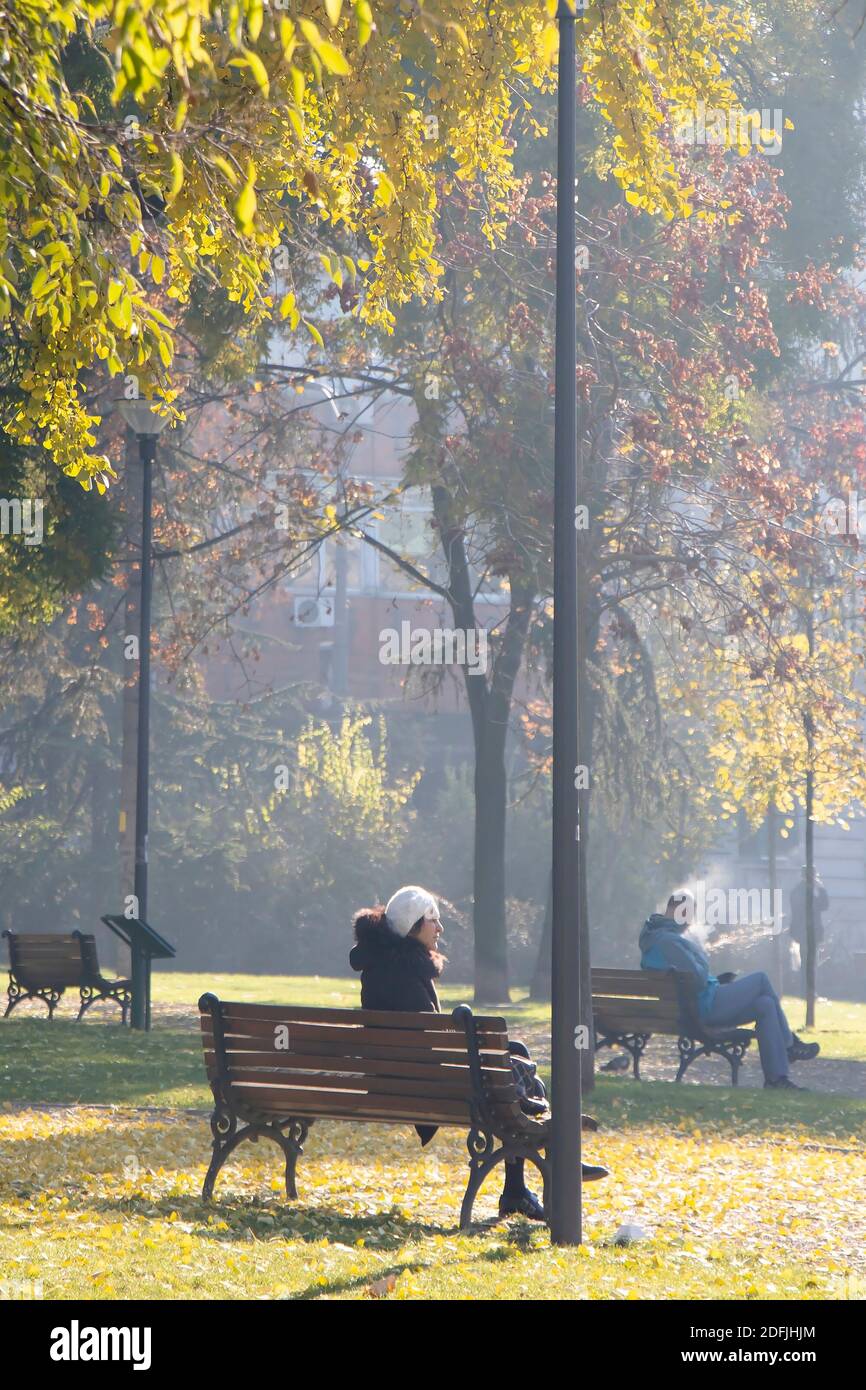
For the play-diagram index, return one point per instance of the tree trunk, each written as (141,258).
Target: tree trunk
(491,942)
(811,944)
(489,700)
(541,982)
(778,952)
(103,788)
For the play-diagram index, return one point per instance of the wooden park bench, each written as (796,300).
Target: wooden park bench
(275,1068)
(43,965)
(629,1006)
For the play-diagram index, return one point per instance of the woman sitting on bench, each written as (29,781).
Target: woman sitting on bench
(397,957)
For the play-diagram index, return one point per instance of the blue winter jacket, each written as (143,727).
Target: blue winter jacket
(663,947)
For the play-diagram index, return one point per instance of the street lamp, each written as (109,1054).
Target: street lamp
(565,1187)
(142,418)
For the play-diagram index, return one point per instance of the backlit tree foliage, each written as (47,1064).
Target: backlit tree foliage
(228,128)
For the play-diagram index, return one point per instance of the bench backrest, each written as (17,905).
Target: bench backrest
(641,1001)
(282,1059)
(49,960)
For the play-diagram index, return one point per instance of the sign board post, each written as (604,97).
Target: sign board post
(145,945)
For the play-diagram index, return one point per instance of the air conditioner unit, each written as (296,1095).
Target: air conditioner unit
(313,612)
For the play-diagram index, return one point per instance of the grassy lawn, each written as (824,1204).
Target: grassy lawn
(742,1194)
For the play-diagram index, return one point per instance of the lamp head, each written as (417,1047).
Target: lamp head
(142,416)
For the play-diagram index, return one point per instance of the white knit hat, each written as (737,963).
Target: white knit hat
(409,904)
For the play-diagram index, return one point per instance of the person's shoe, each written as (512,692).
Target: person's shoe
(526,1205)
(593,1172)
(783,1084)
(800,1051)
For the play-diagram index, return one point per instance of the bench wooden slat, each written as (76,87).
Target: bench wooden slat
(426,1022)
(658,1008)
(636,991)
(329,1056)
(384,1032)
(45,959)
(50,975)
(362,1066)
(456,1089)
(46,938)
(653,1008)
(637,1023)
(345,1035)
(72,952)
(626,976)
(639,986)
(285,1100)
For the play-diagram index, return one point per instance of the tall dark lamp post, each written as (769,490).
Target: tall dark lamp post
(565,1197)
(142,419)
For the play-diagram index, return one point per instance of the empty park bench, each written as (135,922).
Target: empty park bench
(43,965)
(629,1006)
(275,1068)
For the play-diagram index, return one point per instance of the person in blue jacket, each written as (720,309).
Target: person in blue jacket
(725,1002)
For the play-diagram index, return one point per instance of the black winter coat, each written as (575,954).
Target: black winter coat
(397,973)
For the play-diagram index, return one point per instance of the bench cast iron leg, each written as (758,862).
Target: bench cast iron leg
(733,1053)
(223,1127)
(636,1045)
(688,1052)
(292,1144)
(227,1137)
(484,1157)
(17,995)
(89,996)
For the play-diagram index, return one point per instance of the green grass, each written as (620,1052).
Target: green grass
(744,1194)
(100,1064)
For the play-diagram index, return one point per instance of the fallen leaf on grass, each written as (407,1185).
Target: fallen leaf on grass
(380,1288)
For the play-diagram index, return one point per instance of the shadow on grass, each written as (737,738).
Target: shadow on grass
(241,1218)
(518,1238)
(355,1282)
(65,1062)
(727,1111)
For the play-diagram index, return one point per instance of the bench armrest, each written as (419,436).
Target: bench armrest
(480,1108)
(209,1004)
